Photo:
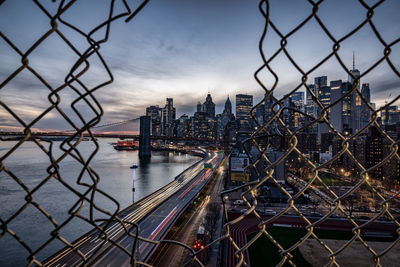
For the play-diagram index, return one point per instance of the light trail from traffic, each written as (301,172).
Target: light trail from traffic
(93,244)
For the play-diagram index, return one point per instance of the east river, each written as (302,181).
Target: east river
(29,163)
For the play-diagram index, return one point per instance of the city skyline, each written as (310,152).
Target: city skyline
(185,49)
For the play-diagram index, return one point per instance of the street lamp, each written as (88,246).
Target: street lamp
(133,185)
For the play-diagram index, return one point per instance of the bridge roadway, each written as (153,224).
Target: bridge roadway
(154,214)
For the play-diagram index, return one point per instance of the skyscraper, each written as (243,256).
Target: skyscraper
(209,106)
(311,106)
(324,96)
(168,118)
(155,112)
(365,112)
(336,115)
(199,108)
(347,106)
(321,81)
(224,118)
(182,126)
(297,100)
(200,125)
(228,107)
(356,100)
(244,104)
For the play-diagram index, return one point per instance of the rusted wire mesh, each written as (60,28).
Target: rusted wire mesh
(334,203)
(74,80)
(329,200)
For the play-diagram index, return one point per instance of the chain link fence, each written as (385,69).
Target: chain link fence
(304,173)
(88,55)
(307,174)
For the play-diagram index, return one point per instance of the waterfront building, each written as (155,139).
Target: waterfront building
(155,112)
(168,118)
(182,126)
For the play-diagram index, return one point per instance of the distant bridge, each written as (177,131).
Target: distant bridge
(120,126)
(127,129)
(136,137)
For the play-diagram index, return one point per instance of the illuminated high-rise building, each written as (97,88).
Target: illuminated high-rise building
(336,115)
(244,104)
(155,112)
(356,99)
(365,111)
(168,118)
(224,118)
(320,81)
(324,97)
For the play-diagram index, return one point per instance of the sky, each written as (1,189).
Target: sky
(184,49)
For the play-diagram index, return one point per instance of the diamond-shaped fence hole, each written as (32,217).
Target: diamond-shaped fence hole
(52,60)
(11,60)
(12,251)
(366,53)
(385,20)
(12,195)
(299,48)
(287,17)
(19,93)
(341,19)
(42,226)
(15,24)
(28,154)
(77,16)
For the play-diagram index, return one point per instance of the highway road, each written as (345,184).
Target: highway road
(155,215)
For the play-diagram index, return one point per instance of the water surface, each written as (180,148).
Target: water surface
(30,165)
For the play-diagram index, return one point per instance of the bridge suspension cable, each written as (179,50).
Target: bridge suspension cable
(114,123)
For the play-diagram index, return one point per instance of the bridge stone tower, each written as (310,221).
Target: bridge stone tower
(144,144)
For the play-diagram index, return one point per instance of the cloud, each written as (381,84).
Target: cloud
(384,86)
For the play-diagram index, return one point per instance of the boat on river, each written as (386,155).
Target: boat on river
(126,145)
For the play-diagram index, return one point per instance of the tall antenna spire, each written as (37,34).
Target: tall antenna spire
(354,61)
